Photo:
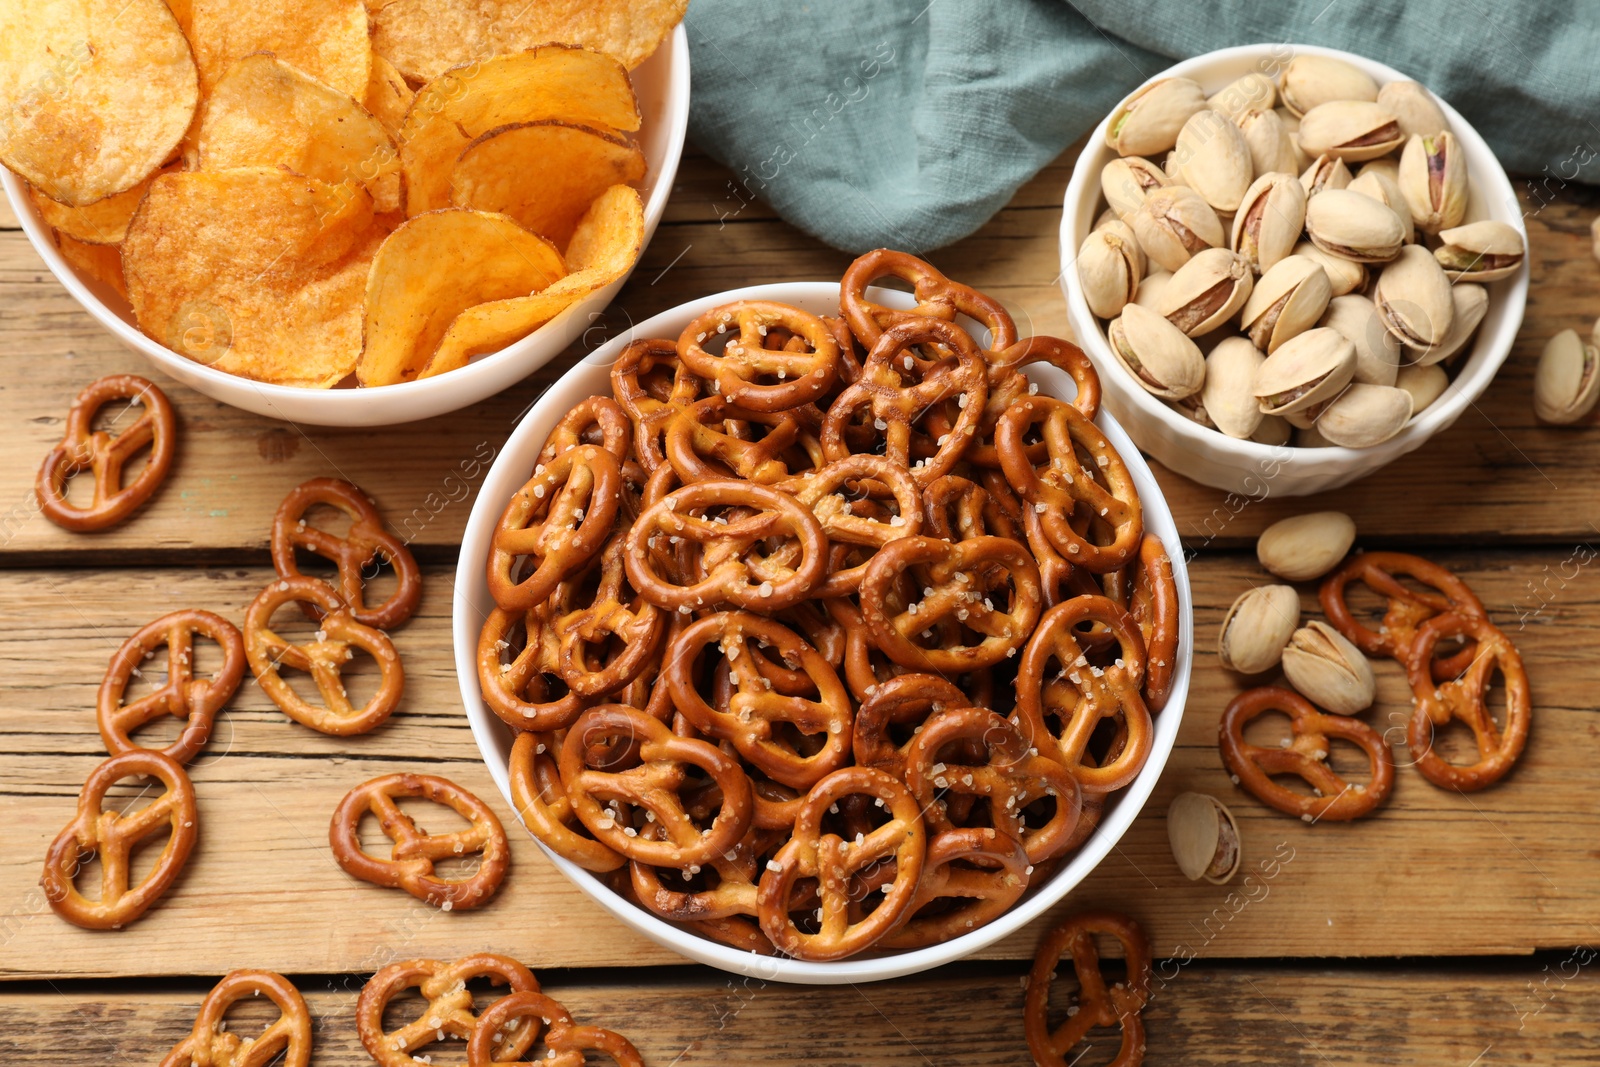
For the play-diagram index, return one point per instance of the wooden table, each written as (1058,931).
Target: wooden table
(1448,930)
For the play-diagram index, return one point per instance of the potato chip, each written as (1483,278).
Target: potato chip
(104,222)
(424,38)
(325,38)
(388,95)
(605,247)
(102,263)
(433,268)
(255,272)
(553,82)
(183,11)
(265,113)
(543,174)
(94,94)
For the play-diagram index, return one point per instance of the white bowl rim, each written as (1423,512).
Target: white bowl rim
(1464,389)
(501,481)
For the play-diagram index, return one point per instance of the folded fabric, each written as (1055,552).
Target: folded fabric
(908,123)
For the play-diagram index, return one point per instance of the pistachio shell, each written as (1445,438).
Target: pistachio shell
(1207,291)
(1152,289)
(1425,384)
(1310,437)
(1381,188)
(1214,159)
(1311,80)
(1304,422)
(1388,166)
(1566,383)
(1353,130)
(1193,408)
(1271,146)
(1328,670)
(1365,415)
(1287,301)
(1356,227)
(1274,430)
(1204,838)
(1110,264)
(1257,627)
(1325,172)
(1173,223)
(1158,354)
(1414,108)
(1305,547)
(1253,92)
(1270,219)
(1480,251)
(1229,390)
(1344,275)
(1104,219)
(1148,121)
(1307,369)
(1469,303)
(1377,350)
(1413,298)
(1433,179)
(1126,181)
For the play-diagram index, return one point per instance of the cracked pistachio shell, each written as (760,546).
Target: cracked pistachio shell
(1328,670)
(1214,159)
(1271,146)
(1204,838)
(1152,289)
(1270,219)
(1193,408)
(1433,179)
(1148,121)
(1288,300)
(1253,92)
(1309,81)
(1173,223)
(1469,303)
(1566,383)
(1128,180)
(1480,251)
(1229,391)
(1377,350)
(1382,188)
(1344,275)
(1207,291)
(1365,415)
(1305,425)
(1413,298)
(1414,108)
(1353,130)
(1110,264)
(1425,384)
(1274,430)
(1305,547)
(1158,354)
(1356,227)
(1257,627)
(1324,172)
(1307,369)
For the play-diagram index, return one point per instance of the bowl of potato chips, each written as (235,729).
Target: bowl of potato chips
(341,218)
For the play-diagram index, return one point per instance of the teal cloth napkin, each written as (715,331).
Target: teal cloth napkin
(908,123)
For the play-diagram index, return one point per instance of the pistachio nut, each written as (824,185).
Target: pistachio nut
(1207,291)
(1229,391)
(1309,81)
(1170,165)
(1413,298)
(1425,384)
(1566,383)
(1152,289)
(1274,430)
(1308,369)
(1328,670)
(1356,227)
(1271,146)
(1288,300)
(1433,179)
(1214,159)
(1270,219)
(1469,303)
(1110,264)
(1104,219)
(1257,627)
(1253,92)
(1126,181)
(1158,354)
(1365,415)
(1325,172)
(1381,187)
(1353,130)
(1204,838)
(1480,251)
(1174,223)
(1291,126)
(1310,437)
(1148,121)
(1193,408)
(1344,275)
(1305,547)
(1377,350)
(1414,108)
(1388,166)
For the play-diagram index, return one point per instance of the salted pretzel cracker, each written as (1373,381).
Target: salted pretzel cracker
(84,448)
(750,374)
(565,1042)
(1152,600)
(937,297)
(448,1010)
(194,700)
(209,1043)
(1097,1004)
(701,443)
(541,800)
(366,542)
(903,701)
(1463,698)
(558,521)
(642,363)
(594,420)
(1407,609)
(977,873)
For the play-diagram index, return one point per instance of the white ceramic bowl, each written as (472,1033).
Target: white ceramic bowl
(1245,467)
(473,604)
(662,86)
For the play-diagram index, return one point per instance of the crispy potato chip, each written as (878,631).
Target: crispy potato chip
(604,248)
(183,11)
(388,95)
(433,268)
(265,113)
(543,174)
(102,223)
(424,38)
(255,272)
(325,38)
(102,263)
(553,82)
(94,94)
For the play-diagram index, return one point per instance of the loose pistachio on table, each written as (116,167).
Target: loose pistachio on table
(1567,380)
(1305,547)
(1256,629)
(1328,670)
(1483,251)
(1287,301)
(1206,291)
(1204,838)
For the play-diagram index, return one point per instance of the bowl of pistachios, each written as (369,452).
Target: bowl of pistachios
(1291,266)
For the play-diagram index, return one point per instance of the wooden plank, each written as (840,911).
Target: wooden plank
(1505,871)
(1535,1011)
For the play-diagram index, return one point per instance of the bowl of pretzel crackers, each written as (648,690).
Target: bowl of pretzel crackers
(824,632)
